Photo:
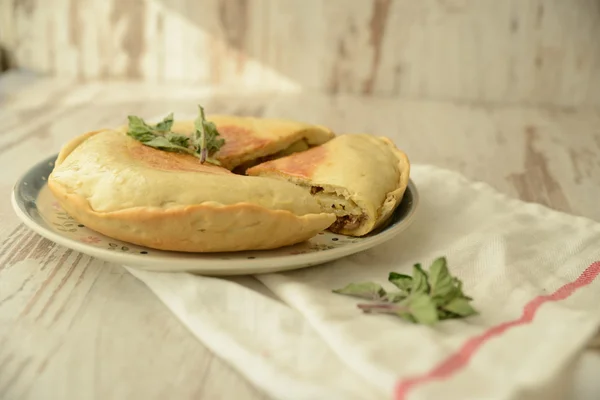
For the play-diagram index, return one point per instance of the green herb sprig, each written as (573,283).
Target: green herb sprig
(204,142)
(206,136)
(423,298)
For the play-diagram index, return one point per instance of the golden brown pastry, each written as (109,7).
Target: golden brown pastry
(249,140)
(123,189)
(359,178)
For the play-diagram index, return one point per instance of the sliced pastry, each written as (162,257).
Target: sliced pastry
(249,140)
(151,187)
(359,178)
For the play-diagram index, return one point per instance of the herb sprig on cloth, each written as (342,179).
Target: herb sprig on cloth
(423,298)
(204,142)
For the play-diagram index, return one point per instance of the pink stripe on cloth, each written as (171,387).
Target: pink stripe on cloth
(459,359)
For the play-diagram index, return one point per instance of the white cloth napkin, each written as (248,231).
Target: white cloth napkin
(531,271)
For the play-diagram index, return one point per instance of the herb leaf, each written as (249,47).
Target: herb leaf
(203,144)
(165,125)
(419,281)
(395,297)
(458,285)
(365,290)
(139,129)
(179,140)
(423,309)
(442,284)
(206,137)
(460,306)
(401,281)
(423,298)
(163,143)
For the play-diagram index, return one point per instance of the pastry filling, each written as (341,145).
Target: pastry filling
(349,215)
(346,222)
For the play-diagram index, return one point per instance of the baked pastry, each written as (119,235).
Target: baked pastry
(124,189)
(359,178)
(249,140)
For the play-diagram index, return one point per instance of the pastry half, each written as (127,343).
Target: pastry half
(359,178)
(250,141)
(170,201)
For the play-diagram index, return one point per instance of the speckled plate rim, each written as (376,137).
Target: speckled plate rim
(207,264)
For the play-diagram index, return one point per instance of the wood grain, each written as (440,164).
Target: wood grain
(73,327)
(536,52)
(81,328)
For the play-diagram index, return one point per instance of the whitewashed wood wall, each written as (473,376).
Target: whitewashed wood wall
(506,51)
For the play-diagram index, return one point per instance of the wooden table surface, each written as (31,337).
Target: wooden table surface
(73,327)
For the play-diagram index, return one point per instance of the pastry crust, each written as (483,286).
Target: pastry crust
(358,177)
(117,186)
(248,139)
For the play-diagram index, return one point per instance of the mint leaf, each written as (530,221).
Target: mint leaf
(419,280)
(423,298)
(137,124)
(177,139)
(213,140)
(422,309)
(442,285)
(206,137)
(165,125)
(458,284)
(444,314)
(204,142)
(365,290)
(395,296)
(138,129)
(152,136)
(401,281)
(162,143)
(200,135)
(460,306)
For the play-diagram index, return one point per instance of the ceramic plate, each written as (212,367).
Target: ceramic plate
(37,208)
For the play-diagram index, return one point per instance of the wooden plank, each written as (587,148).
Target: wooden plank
(81,328)
(514,51)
